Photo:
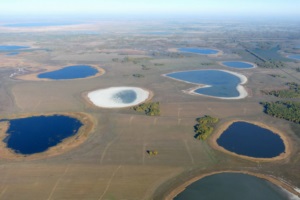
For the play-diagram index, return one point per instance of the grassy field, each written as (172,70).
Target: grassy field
(113,162)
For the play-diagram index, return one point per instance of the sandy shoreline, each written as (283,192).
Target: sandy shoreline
(242,91)
(143,95)
(176,50)
(34,76)
(67,144)
(223,127)
(273,180)
(222,64)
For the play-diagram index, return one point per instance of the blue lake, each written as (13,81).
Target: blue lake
(199,51)
(12,47)
(223,84)
(296,57)
(238,64)
(70,72)
(37,134)
(233,186)
(125,96)
(250,140)
(39,24)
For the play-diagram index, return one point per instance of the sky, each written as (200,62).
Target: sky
(151,7)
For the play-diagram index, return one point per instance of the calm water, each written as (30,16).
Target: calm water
(232,186)
(12,47)
(125,96)
(297,57)
(70,72)
(238,64)
(39,24)
(199,51)
(36,134)
(223,84)
(250,140)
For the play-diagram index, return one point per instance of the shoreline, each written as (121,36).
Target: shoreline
(253,64)
(34,76)
(240,88)
(269,178)
(87,128)
(176,50)
(213,141)
(90,102)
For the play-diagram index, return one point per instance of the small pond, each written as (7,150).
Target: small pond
(12,47)
(238,64)
(247,139)
(70,72)
(38,133)
(295,56)
(203,51)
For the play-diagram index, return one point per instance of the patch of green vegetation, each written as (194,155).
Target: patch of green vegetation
(204,127)
(150,108)
(283,109)
(138,75)
(207,64)
(159,64)
(292,92)
(152,152)
(271,64)
(277,76)
(144,67)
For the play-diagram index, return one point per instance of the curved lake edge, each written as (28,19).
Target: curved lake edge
(89,103)
(88,126)
(177,50)
(272,179)
(240,88)
(250,63)
(34,76)
(220,130)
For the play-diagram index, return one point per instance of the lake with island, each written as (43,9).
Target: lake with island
(204,51)
(36,134)
(248,139)
(218,83)
(70,72)
(234,186)
(238,64)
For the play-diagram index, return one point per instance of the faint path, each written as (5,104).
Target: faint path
(130,120)
(189,151)
(57,182)
(105,150)
(109,182)
(3,191)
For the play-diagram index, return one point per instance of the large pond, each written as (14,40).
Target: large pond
(296,57)
(38,133)
(218,83)
(12,47)
(234,186)
(238,64)
(70,72)
(203,51)
(118,97)
(251,140)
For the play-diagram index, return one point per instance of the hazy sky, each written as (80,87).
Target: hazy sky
(201,7)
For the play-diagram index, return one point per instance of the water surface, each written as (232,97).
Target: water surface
(221,83)
(238,64)
(199,51)
(125,96)
(12,47)
(70,72)
(36,134)
(233,186)
(296,57)
(251,140)
(39,24)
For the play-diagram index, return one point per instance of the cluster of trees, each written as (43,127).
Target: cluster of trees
(271,64)
(152,152)
(292,92)
(283,109)
(277,76)
(149,108)
(204,127)
(138,75)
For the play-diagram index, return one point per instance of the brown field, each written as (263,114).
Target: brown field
(112,162)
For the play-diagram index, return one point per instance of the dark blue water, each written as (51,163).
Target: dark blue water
(250,140)
(238,64)
(125,96)
(13,54)
(297,57)
(39,24)
(223,84)
(199,51)
(70,72)
(232,186)
(37,134)
(12,47)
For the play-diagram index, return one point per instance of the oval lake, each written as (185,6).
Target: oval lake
(251,140)
(233,186)
(70,72)
(219,83)
(12,47)
(203,51)
(238,64)
(38,133)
